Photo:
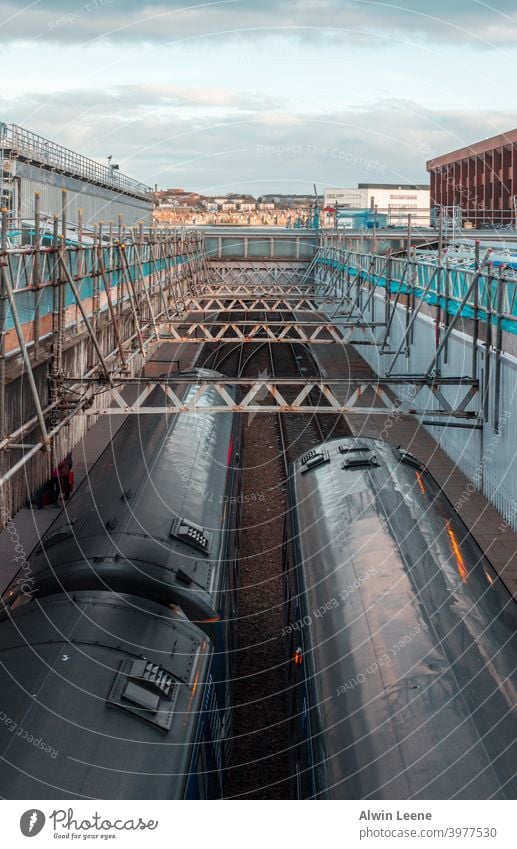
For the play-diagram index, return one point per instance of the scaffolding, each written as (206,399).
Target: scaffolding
(92,309)
(81,319)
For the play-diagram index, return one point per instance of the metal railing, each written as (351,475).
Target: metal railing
(455,218)
(18,143)
(487,293)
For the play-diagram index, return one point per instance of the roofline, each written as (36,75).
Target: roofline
(395,186)
(501,140)
(392,186)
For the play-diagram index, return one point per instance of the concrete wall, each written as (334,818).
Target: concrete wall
(487,456)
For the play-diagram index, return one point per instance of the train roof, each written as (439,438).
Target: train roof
(409,636)
(101,696)
(148,517)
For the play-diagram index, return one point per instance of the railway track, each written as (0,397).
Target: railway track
(259,767)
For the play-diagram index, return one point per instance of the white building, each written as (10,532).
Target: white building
(397,201)
(30,164)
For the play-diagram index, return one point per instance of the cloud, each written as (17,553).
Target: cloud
(155,137)
(490,24)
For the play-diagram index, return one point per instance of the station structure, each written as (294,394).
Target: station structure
(33,167)
(80,319)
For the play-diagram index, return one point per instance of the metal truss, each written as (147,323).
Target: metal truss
(270,305)
(253,275)
(267,395)
(304,333)
(254,291)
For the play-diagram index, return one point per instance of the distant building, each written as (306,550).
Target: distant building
(287,200)
(480,178)
(30,164)
(395,200)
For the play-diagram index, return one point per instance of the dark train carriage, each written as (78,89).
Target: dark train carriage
(402,637)
(102,697)
(156,522)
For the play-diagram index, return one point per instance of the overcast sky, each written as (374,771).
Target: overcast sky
(261,96)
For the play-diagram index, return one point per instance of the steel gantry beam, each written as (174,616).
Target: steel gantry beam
(203,305)
(254,291)
(274,274)
(312,395)
(303,333)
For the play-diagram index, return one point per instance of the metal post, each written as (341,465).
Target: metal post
(86,320)
(97,247)
(410,288)
(26,359)
(446,314)
(3,318)
(132,296)
(55,320)
(139,251)
(498,347)
(36,272)
(110,304)
(145,287)
(473,283)
(387,290)
(409,327)
(61,289)
(80,255)
(476,326)
(55,280)
(438,317)
(414,282)
(120,285)
(488,346)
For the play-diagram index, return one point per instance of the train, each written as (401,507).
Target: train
(401,637)
(117,637)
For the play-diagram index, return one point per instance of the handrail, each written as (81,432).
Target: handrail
(24,144)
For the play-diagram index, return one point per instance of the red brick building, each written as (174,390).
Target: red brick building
(481,178)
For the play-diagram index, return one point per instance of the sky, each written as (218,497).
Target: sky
(264,96)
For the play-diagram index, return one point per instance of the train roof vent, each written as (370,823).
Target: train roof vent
(146,690)
(353,445)
(313,459)
(410,459)
(192,534)
(360,461)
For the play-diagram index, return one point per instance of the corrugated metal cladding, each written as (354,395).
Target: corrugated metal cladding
(487,457)
(97,203)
